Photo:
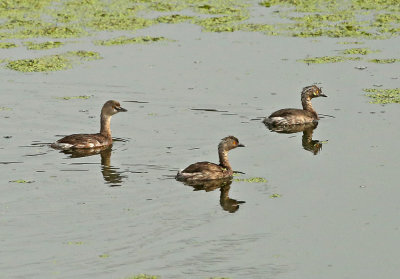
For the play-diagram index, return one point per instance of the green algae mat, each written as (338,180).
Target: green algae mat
(46,20)
(43,25)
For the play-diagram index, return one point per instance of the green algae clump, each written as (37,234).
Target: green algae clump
(135,40)
(7,45)
(252,180)
(360,51)
(220,24)
(42,46)
(274,196)
(383,96)
(22,181)
(143,276)
(52,62)
(83,97)
(327,59)
(384,61)
(175,18)
(42,64)
(84,54)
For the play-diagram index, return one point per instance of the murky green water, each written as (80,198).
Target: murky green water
(299,210)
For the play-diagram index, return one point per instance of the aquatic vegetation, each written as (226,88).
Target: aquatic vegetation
(337,18)
(22,19)
(135,40)
(75,242)
(220,24)
(220,8)
(274,196)
(21,181)
(327,59)
(5,108)
(350,43)
(52,62)
(41,46)
(361,51)
(104,256)
(176,18)
(7,45)
(268,29)
(384,61)
(166,7)
(252,180)
(383,96)
(52,31)
(43,64)
(83,54)
(83,97)
(143,276)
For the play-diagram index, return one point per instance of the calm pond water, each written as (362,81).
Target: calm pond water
(120,212)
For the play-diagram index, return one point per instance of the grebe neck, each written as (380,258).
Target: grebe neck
(223,158)
(306,103)
(105,125)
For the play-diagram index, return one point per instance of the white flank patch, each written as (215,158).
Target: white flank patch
(59,145)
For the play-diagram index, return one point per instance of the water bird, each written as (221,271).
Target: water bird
(292,116)
(102,139)
(209,171)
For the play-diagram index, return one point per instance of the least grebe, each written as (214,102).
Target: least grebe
(209,171)
(291,116)
(93,140)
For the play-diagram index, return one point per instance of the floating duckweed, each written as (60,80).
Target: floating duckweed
(350,43)
(209,9)
(143,276)
(75,242)
(83,97)
(266,28)
(165,7)
(84,54)
(173,18)
(274,196)
(41,46)
(42,64)
(124,40)
(361,51)
(5,108)
(7,45)
(220,24)
(119,22)
(338,18)
(327,59)
(21,181)
(252,180)
(384,96)
(104,256)
(52,62)
(266,4)
(377,19)
(51,31)
(384,61)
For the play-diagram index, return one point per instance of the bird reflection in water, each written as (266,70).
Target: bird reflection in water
(314,146)
(227,204)
(111,174)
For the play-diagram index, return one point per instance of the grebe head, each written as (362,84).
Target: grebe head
(112,107)
(312,91)
(229,142)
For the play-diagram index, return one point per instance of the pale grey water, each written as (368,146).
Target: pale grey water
(338,214)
